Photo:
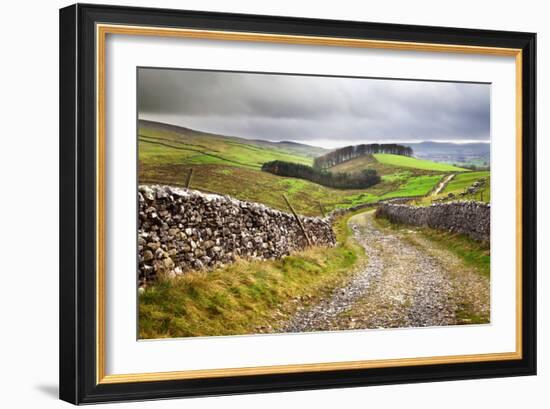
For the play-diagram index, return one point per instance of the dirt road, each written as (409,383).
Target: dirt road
(408,281)
(443,184)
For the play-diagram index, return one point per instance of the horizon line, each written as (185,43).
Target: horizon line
(379,141)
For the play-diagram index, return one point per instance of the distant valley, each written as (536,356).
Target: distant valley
(462,154)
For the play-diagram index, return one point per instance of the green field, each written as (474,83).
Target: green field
(458,185)
(416,186)
(409,162)
(230,165)
(159,146)
(464,180)
(410,187)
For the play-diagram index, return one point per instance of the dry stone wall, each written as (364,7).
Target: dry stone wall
(181,230)
(466,217)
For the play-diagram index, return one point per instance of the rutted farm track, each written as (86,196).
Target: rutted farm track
(408,281)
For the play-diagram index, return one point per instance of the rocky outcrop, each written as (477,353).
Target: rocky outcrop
(181,230)
(465,217)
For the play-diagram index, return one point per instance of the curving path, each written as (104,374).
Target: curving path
(408,282)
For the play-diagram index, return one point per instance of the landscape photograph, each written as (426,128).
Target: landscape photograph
(285,203)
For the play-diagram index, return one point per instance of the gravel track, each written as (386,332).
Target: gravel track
(407,282)
(443,184)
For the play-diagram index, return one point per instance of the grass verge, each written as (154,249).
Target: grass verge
(472,253)
(247,296)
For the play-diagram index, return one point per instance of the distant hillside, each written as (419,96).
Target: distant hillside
(285,146)
(364,162)
(351,152)
(460,153)
(408,162)
(232,166)
(162,143)
(387,164)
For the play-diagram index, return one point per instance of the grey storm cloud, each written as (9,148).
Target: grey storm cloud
(314,109)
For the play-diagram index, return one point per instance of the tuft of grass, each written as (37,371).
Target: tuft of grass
(465,316)
(249,296)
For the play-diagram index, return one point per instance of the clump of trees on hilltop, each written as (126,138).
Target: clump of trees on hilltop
(360,180)
(351,152)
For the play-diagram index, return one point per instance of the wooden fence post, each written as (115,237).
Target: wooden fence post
(298,220)
(322,210)
(188,180)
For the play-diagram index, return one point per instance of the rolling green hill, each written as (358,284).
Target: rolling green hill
(459,184)
(231,165)
(389,165)
(199,147)
(410,162)
(464,180)
(363,162)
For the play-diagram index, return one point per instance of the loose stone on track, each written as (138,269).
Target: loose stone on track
(405,283)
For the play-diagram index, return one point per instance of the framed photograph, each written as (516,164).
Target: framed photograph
(257,203)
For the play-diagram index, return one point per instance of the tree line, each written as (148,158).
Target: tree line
(351,152)
(341,180)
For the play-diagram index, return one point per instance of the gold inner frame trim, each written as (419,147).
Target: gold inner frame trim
(101,33)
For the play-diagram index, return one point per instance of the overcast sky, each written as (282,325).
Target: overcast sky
(322,111)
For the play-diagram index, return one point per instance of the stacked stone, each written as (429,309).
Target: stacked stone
(182,230)
(472,190)
(466,217)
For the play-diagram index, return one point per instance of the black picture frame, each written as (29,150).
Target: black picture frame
(78,317)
